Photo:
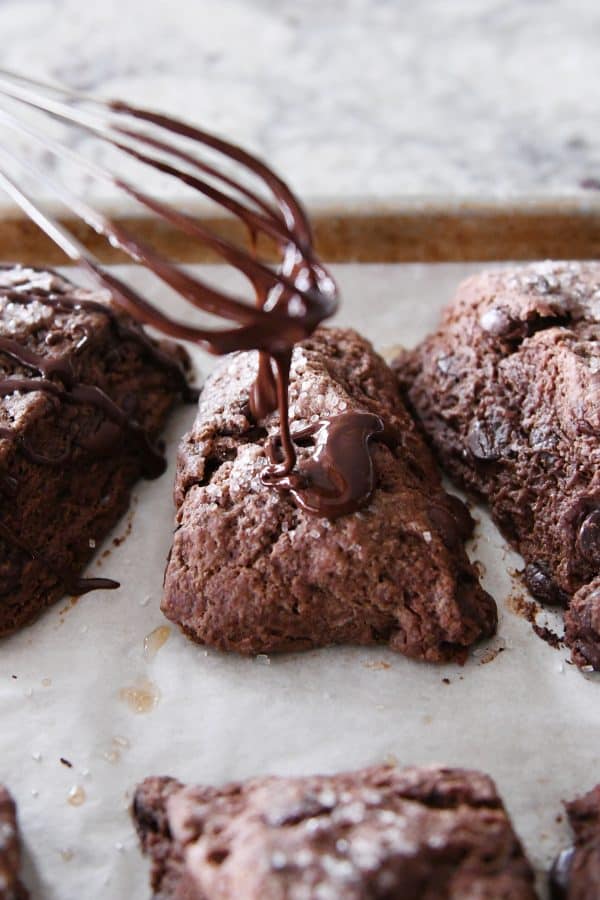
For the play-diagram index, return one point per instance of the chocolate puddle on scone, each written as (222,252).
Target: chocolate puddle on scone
(508,392)
(379,832)
(253,570)
(84,394)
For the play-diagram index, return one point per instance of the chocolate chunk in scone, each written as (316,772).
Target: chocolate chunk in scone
(253,572)
(10,850)
(375,834)
(576,872)
(84,394)
(508,391)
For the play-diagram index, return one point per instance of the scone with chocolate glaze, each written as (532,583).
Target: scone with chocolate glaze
(10,850)
(508,391)
(84,395)
(253,572)
(376,834)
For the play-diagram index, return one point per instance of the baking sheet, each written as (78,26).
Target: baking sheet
(80,685)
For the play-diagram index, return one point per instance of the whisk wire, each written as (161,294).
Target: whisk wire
(107,131)
(292,209)
(70,246)
(260,275)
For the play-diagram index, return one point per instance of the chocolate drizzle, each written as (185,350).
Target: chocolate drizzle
(124,330)
(56,379)
(74,586)
(153,461)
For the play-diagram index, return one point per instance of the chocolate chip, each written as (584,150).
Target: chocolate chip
(589,612)
(542,586)
(454,524)
(588,537)
(481,441)
(446,525)
(463,518)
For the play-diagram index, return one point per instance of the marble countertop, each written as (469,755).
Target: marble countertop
(349,98)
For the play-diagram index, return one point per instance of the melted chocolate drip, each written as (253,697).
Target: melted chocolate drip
(339,477)
(78,586)
(72,585)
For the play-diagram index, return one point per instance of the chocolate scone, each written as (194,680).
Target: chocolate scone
(576,873)
(84,394)
(253,572)
(508,390)
(10,850)
(419,834)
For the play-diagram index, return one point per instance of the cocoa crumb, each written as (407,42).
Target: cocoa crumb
(490,655)
(546,634)
(529,609)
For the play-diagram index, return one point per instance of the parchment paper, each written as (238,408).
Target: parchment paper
(527,717)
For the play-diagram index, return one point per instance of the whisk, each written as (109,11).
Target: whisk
(289,299)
